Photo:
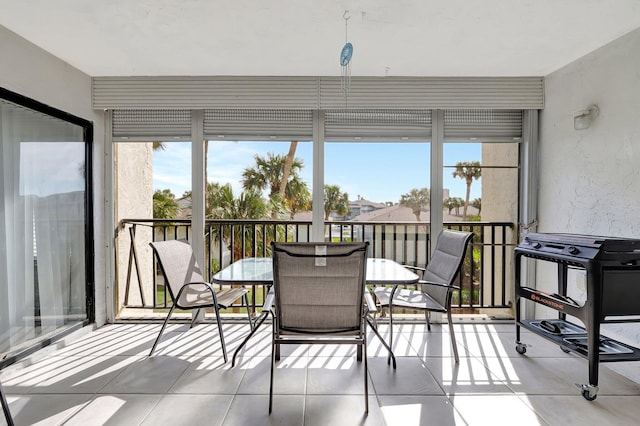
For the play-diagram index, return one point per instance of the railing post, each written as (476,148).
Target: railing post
(133,259)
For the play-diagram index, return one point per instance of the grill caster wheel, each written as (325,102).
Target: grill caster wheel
(589,392)
(521,348)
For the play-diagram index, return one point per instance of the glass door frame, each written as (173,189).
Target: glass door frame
(87,129)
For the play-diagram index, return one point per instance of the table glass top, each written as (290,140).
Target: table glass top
(260,270)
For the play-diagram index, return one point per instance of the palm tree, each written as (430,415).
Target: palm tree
(165,205)
(248,205)
(477,203)
(449,204)
(269,173)
(335,201)
(457,203)
(416,200)
(298,197)
(454,203)
(287,167)
(469,171)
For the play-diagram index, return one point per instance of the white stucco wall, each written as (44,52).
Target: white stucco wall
(589,178)
(499,204)
(34,73)
(134,200)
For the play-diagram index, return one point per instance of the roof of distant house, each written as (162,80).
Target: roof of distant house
(303,216)
(395,213)
(362,202)
(398,213)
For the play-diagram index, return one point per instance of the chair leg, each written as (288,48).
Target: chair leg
(427,316)
(273,363)
(5,408)
(220,333)
(390,333)
(453,337)
(366,376)
(194,317)
(162,329)
(246,304)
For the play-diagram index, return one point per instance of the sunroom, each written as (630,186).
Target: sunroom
(97,124)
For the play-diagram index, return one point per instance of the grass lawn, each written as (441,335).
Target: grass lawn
(160,300)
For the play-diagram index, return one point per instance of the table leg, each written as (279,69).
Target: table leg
(375,330)
(258,322)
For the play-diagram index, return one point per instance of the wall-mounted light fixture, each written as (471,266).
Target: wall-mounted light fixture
(583,119)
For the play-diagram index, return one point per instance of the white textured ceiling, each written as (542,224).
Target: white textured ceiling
(304,37)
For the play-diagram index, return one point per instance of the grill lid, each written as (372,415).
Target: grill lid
(607,244)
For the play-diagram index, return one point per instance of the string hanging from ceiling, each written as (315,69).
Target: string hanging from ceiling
(345,60)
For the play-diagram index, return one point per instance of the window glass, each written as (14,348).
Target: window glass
(379,192)
(380,179)
(480,181)
(251,174)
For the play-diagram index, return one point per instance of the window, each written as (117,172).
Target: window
(386,189)
(481,182)
(481,195)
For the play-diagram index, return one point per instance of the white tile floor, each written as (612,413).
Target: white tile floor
(106,377)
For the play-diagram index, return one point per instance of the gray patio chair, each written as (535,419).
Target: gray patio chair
(436,286)
(319,298)
(187,287)
(5,408)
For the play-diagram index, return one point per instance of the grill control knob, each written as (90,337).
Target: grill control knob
(573,250)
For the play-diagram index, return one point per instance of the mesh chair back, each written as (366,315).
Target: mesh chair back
(178,264)
(446,261)
(319,287)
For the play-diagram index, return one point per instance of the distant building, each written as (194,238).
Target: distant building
(184,207)
(362,206)
(395,213)
(398,213)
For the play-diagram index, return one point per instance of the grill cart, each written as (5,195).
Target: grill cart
(612,270)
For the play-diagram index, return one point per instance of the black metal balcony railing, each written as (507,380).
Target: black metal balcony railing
(484,281)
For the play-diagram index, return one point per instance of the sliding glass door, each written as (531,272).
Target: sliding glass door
(45,270)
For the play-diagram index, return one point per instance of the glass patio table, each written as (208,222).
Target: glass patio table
(259,271)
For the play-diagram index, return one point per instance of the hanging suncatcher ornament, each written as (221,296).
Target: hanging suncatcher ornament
(345,59)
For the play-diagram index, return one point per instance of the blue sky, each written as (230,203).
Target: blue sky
(379,172)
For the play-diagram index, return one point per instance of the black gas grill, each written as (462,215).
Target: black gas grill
(612,269)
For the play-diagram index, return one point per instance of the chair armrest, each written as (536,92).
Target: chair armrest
(371,304)
(204,283)
(433,283)
(414,268)
(268,301)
